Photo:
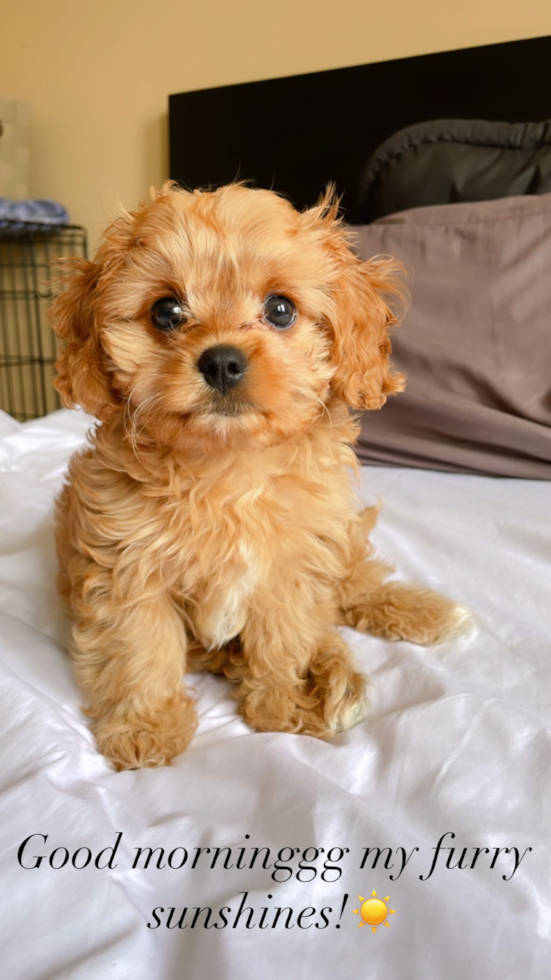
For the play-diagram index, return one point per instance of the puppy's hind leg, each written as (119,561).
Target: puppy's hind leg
(393,610)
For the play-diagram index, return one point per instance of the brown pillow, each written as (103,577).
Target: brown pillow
(476,342)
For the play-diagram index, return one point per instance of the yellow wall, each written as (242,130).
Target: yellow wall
(98,72)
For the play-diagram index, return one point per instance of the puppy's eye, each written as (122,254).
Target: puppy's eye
(167,313)
(280,312)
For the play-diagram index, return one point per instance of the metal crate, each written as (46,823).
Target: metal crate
(27,343)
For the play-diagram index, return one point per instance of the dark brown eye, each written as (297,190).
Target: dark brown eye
(280,312)
(167,313)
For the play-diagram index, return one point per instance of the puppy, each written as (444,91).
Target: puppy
(220,338)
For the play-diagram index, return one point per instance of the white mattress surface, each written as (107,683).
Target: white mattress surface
(456,742)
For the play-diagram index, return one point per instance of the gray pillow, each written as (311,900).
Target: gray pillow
(445,161)
(476,342)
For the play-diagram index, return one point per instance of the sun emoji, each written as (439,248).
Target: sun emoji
(374,911)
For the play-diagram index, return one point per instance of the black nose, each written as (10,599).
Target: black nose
(222,367)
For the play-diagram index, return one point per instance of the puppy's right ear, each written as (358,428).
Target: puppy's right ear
(82,376)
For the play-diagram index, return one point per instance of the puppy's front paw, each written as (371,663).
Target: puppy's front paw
(330,699)
(303,714)
(149,741)
(339,689)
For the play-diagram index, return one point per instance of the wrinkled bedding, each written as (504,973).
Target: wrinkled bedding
(456,743)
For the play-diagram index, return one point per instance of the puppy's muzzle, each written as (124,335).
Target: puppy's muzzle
(222,367)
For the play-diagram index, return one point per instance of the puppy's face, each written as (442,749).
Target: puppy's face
(214,321)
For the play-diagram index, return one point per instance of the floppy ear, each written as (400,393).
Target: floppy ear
(82,378)
(367,299)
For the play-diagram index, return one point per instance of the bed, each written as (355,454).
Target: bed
(264,853)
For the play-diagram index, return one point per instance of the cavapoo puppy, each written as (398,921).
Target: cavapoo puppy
(220,338)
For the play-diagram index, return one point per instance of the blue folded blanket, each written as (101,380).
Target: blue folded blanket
(31,215)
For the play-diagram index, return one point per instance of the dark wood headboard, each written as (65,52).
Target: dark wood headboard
(295,134)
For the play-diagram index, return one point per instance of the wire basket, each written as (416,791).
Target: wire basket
(27,343)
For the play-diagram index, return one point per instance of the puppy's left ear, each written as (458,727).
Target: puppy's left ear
(367,299)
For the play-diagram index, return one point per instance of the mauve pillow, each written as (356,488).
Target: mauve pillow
(476,343)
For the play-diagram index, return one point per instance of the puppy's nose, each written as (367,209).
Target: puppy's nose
(222,367)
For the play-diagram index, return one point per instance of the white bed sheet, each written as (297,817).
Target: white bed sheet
(457,741)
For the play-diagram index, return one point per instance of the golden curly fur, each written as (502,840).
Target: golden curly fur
(217,530)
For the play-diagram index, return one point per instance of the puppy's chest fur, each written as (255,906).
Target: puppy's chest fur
(254,533)
(220,612)
(219,534)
